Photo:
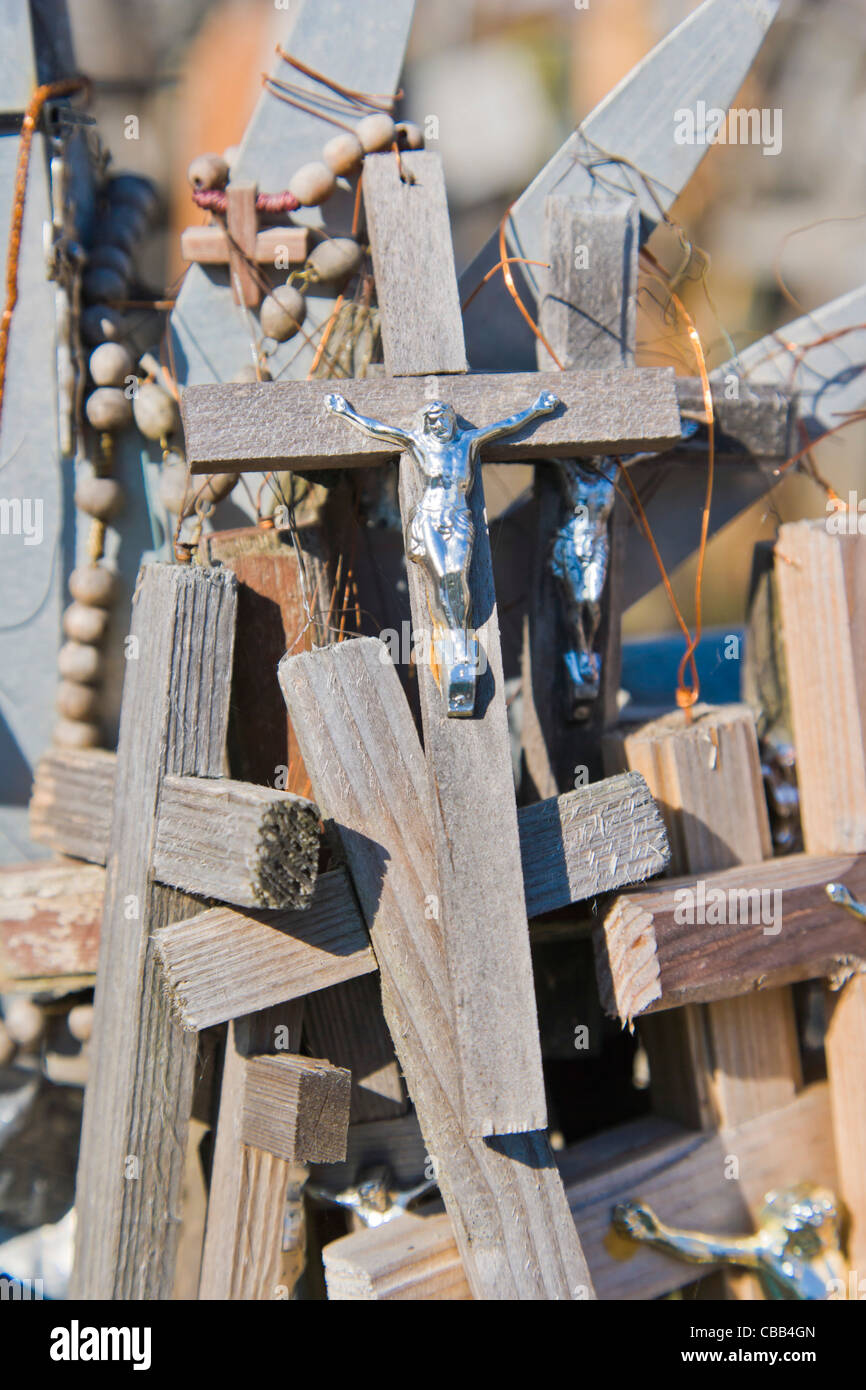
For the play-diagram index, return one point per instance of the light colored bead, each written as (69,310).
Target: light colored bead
(93,584)
(409,136)
(282,313)
(230,154)
(110,364)
(248,374)
(335,259)
(155,411)
(101,498)
(175,485)
(208,171)
(74,733)
(81,623)
(312,184)
(376,132)
(25,1022)
(344,154)
(103,283)
(79,1021)
(7,1045)
(78,662)
(100,324)
(76,702)
(107,408)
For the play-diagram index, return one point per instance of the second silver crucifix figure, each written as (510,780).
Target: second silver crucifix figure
(441,531)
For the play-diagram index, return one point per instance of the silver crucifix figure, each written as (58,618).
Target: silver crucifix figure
(441,531)
(579,558)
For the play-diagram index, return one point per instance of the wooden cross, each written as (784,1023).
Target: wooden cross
(177,823)
(481,897)
(241,245)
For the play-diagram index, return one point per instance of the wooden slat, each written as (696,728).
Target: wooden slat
(246,845)
(821,580)
(683,1176)
(49,920)
(410,239)
(242,226)
(296,1108)
(174,719)
(242,1257)
(210,246)
(239,428)
(346,1025)
(72,801)
(222,964)
(362,752)
(647,960)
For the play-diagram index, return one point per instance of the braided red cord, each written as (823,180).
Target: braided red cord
(214,200)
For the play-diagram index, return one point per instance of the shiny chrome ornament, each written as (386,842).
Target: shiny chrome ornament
(441,532)
(374,1199)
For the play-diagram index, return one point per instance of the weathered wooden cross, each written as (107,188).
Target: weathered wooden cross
(482,915)
(241,244)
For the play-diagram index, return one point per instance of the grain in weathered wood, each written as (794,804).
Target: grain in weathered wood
(680,1174)
(647,959)
(362,753)
(242,1257)
(821,580)
(577,845)
(222,964)
(346,1025)
(246,845)
(72,800)
(743,1054)
(49,920)
(480,904)
(175,713)
(296,1108)
(413,264)
(396,1144)
(239,428)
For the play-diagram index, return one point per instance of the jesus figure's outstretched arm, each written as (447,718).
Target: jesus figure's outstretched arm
(392,434)
(544,405)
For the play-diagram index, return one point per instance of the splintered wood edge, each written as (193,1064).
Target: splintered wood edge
(627,965)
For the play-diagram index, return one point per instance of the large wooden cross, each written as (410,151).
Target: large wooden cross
(482,916)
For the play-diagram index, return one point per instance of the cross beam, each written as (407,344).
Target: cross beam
(241,427)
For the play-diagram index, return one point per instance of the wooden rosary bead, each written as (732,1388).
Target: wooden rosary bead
(107,409)
(376,132)
(230,154)
(75,701)
(344,154)
(7,1045)
(25,1022)
(123,232)
(82,623)
(101,498)
(93,584)
(100,324)
(312,184)
(335,259)
(175,486)
(155,411)
(110,364)
(249,374)
(409,136)
(282,313)
(217,487)
(79,1021)
(208,171)
(103,283)
(75,733)
(78,662)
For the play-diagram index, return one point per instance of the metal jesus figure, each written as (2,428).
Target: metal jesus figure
(579,558)
(441,532)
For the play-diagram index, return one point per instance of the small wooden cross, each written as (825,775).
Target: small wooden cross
(241,245)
